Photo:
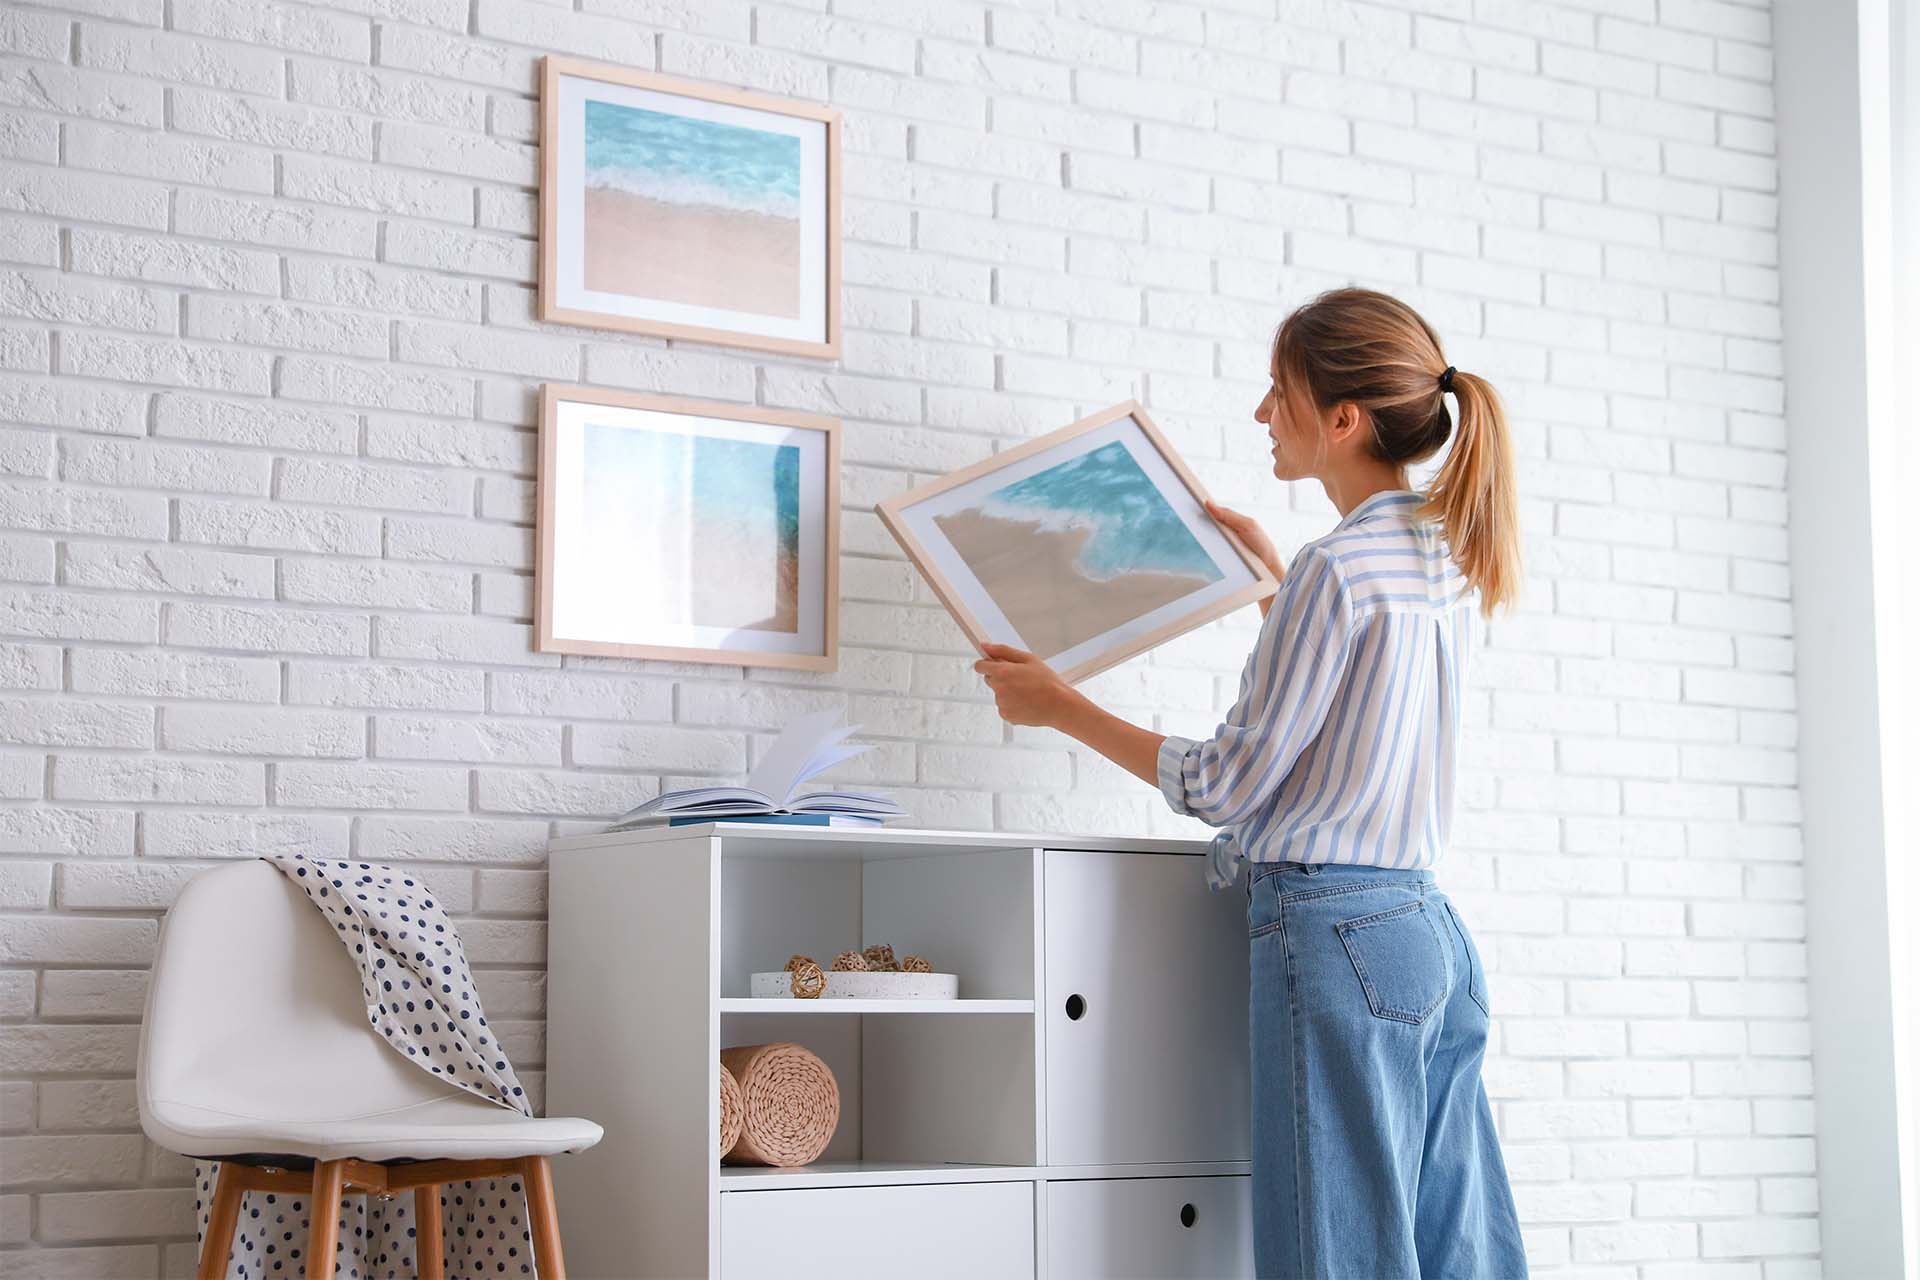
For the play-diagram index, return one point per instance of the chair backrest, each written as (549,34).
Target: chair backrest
(256,1010)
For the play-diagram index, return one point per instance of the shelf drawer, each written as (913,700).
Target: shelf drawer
(1146,1012)
(852,1233)
(1152,1228)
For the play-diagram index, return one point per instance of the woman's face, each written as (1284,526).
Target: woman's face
(1297,437)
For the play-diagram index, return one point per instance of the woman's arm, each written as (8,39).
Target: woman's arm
(1286,692)
(1027,691)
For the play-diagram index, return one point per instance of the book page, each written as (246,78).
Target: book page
(796,754)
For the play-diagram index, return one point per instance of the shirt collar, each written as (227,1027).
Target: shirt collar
(1381,502)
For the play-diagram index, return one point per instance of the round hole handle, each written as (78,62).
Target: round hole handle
(1187,1215)
(1076,1007)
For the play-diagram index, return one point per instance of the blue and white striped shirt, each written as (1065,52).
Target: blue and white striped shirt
(1341,746)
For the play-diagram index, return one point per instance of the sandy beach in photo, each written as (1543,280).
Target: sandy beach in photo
(786,599)
(700,255)
(733,580)
(714,573)
(1032,573)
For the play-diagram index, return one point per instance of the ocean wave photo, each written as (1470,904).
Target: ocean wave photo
(695,162)
(1074,551)
(692,211)
(690,529)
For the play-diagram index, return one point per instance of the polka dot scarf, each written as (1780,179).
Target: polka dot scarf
(420,997)
(483,1227)
(413,970)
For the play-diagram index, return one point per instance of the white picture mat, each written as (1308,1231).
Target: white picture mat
(579,614)
(1235,576)
(570,290)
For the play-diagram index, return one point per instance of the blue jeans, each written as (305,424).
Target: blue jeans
(1374,1154)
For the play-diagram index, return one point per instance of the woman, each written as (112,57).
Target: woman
(1374,1153)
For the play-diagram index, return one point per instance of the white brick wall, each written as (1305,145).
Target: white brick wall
(267,369)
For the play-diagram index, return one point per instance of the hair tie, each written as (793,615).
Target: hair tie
(1446,380)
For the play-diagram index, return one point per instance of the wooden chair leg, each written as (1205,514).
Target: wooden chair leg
(323,1217)
(228,1188)
(428,1249)
(543,1220)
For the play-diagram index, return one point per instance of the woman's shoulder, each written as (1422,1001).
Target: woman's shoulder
(1347,546)
(1385,563)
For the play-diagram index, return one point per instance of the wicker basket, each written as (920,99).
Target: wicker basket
(792,1104)
(733,1110)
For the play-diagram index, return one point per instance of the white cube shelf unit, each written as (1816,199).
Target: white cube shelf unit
(1081,1109)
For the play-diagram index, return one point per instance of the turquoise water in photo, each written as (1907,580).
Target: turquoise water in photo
(692,162)
(1134,530)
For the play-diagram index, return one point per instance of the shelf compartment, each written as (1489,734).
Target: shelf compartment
(925,1091)
(970,913)
(823,1008)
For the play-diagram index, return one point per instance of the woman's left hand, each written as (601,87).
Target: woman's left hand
(1025,689)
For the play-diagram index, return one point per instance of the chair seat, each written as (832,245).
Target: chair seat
(454,1127)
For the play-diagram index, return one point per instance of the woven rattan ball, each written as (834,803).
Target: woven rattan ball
(792,1104)
(914,964)
(733,1110)
(794,962)
(807,982)
(850,962)
(880,958)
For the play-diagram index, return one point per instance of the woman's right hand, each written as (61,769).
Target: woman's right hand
(1248,530)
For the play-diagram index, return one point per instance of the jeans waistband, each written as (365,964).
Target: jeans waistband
(1300,877)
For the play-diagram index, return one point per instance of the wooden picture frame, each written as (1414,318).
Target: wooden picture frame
(567,270)
(915,521)
(571,610)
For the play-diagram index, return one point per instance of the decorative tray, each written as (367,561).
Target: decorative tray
(856,985)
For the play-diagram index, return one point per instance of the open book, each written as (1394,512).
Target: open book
(809,746)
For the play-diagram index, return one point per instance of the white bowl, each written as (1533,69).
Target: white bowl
(843,984)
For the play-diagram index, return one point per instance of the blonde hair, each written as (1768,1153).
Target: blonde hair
(1374,350)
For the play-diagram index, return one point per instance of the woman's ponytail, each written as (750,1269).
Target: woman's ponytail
(1473,494)
(1374,350)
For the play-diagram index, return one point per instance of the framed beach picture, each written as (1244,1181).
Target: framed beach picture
(1084,547)
(687,530)
(688,210)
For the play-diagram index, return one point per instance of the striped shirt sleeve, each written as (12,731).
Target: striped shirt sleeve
(1285,693)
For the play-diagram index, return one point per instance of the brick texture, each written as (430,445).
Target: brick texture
(267,370)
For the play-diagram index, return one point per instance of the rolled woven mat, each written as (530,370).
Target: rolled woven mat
(733,1110)
(792,1104)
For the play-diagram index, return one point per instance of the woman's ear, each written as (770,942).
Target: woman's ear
(1347,424)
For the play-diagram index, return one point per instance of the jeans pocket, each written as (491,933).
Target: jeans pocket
(1263,901)
(1401,959)
(1476,972)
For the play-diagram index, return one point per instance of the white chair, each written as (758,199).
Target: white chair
(256,1044)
